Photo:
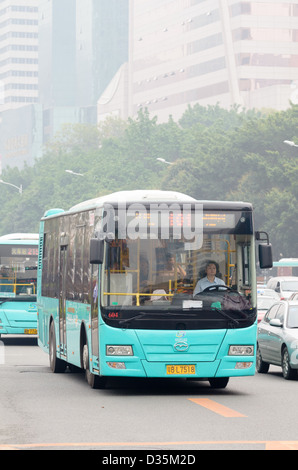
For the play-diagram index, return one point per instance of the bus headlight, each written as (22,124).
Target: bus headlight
(119,350)
(246,350)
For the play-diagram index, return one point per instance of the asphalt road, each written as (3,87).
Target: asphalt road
(41,410)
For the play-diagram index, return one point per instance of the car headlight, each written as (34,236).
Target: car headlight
(246,350)
(119,350)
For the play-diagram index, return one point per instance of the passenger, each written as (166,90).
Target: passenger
(144,272)
(144,283)
(210,279)
(171,270)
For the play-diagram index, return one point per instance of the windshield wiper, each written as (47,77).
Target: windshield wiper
(224,314)
(127,320)
(6,299)
(143,314)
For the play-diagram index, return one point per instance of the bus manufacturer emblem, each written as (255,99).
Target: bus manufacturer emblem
(181,344)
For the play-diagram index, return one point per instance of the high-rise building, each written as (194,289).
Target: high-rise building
(57,53)
(56,58)
(82,43)
(18,53)
(209,51)
(212,51)
(20,114)
(101,45)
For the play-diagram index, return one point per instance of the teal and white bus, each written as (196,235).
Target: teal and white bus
(18,278)
(116,283)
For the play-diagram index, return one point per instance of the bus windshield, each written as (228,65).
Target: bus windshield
(18,270)
(209,278)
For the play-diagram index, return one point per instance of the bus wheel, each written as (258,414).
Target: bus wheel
(94,381)
(219,382)
(57,365)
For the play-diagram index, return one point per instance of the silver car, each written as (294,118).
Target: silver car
(278,339)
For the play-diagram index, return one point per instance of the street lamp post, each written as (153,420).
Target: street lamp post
(290,143)
(74,173)
(162,160)
(20,189)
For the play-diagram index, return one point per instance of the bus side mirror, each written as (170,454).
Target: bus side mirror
(96,251)
(265,251)
(265,256)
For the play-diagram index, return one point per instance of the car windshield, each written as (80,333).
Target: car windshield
(289,286)
(264,303)
(293,317)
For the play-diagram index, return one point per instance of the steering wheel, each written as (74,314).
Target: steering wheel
(218,288)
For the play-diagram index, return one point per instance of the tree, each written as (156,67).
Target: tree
(216,154)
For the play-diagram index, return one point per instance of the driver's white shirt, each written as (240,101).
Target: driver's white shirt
(204,283)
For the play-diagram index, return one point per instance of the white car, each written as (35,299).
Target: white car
(285,286)
(263,291)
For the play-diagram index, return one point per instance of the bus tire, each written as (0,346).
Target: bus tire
(219,382)
(96,382)
(57,365)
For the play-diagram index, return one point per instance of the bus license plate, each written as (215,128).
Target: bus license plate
(31,331)
(180,369)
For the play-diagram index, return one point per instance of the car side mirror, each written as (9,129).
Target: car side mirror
(276,322)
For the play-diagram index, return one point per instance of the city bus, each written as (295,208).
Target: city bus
(286,267)
(18,278)
(117,287)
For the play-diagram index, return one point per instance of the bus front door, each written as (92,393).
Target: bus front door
(62,300)
(94,311)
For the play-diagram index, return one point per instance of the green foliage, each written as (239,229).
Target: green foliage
(216,154)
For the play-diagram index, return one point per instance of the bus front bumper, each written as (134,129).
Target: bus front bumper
(25,324)
(226,367)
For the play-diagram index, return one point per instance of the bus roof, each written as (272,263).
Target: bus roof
(148,196)
(133,196)
(286,262)
(20,236)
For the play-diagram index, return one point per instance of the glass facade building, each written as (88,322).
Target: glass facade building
(212,51)
(56,58)
(101,45)
(82,45)
(57,35)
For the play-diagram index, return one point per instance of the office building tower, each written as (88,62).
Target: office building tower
(230,52)
(56,59)
(213,51)
(18,53)
(20,114)
(101,45)
(82,44)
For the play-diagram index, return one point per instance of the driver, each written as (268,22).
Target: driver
(210,279)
